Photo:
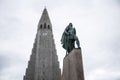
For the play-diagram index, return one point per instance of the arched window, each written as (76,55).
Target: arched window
(41,26)
(48,26)
(44,25)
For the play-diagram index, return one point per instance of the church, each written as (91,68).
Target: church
(43,63)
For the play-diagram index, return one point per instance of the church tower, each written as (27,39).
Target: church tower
(43,63)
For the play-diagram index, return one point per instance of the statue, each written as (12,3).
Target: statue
(68,39)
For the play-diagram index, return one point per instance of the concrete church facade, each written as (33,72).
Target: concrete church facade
(43,63)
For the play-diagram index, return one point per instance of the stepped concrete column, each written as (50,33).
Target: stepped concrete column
(43,63)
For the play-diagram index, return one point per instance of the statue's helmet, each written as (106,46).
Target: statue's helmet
(70,24)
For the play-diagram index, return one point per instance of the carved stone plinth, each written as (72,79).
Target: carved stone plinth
(73,66)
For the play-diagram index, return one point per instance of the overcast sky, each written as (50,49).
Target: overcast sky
(97,23)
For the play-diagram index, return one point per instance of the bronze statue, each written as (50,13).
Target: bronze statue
(68,38)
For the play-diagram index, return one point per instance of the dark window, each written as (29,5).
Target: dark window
(48,26)
(41,26)
(44,25)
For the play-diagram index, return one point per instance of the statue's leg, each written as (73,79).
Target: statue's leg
(77,42)
(66,53)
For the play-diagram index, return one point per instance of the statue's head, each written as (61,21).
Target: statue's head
(70,24)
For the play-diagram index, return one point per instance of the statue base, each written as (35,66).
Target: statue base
(73,66)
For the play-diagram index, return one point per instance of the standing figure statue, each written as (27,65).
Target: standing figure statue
(68,38)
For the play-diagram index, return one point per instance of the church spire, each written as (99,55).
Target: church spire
(45,10)
(45,20)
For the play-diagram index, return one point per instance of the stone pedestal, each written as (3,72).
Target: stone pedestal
(73,66)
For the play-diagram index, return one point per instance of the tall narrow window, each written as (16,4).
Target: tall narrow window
(41,26)
(44,25)
(48,26)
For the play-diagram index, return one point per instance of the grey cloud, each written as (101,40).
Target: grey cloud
(4,62)
(11,66)
(8,58)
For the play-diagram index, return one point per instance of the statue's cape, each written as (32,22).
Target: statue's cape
(63,40)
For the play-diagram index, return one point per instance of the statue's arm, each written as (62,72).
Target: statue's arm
(66,31)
